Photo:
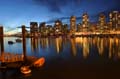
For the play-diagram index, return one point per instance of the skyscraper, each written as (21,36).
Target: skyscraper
(114,19)
(110,21)
(102,21)
(79,27)
(42,27)
(73,24)
(119,18)
(58,26)
(85,20)
(33,28)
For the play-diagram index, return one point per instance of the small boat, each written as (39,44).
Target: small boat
(10,42)
(40,62)
(18,40)
(25,70)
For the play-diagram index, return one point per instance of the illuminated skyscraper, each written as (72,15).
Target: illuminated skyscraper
(79,27)
(65,28)
(73,24)
(114,19)
(58,26)
(33,28)
(119,19)
(85,20)
(102,21)
(110,20)
(42,27)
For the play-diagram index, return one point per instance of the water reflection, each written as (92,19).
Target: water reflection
(100,46)
(107,45)
(85,46)
(114,47)
(73,46)
(34,44)
(98,51)
(58,44)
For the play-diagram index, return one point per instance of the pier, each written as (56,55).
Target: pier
(11,57)
(11,60)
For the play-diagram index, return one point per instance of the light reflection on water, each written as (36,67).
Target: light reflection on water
(85,46)
(70,58)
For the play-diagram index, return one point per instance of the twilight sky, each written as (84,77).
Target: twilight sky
(14,13)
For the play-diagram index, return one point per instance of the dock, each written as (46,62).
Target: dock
(11,60)
(11,57)
(14,60)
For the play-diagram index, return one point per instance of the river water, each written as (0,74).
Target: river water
(69,58)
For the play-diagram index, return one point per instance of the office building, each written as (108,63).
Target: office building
(73,24)
(114,19)
(33,28)
(58,26)
(102,21)
(85,20)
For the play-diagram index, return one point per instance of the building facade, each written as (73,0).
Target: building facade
(85,20)
(73,24)
(102,21)
(114,19)
(58,27)
(33,28)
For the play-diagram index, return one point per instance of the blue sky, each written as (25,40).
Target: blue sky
(15,13)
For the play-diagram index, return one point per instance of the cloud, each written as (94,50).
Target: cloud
(93,17)
(63,19)
(77,8)
(52,20)
(59,5)
(56,5)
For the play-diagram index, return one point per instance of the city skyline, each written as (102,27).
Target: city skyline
(17,12)
(108,22)
(59,39)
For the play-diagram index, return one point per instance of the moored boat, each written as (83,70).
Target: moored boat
(25,70)
(10,42)
(40,62)
(18,40)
